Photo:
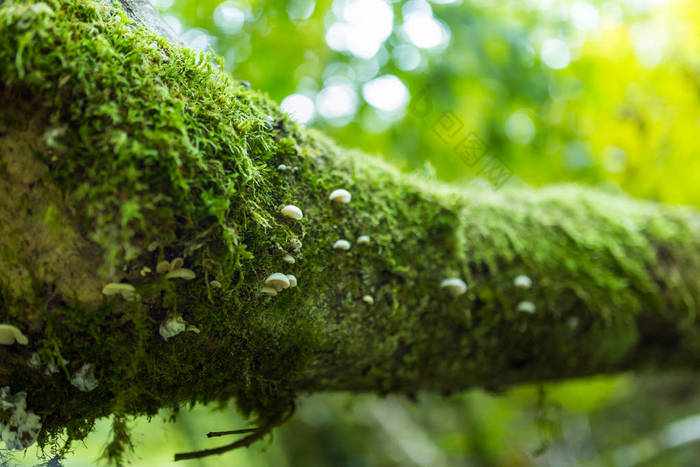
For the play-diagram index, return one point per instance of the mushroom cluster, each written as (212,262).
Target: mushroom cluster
(277,282)
(20,428)
(174,269)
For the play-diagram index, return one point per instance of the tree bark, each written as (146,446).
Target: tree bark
(120,151)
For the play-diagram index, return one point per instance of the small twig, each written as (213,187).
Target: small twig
(256,434)
(212,434)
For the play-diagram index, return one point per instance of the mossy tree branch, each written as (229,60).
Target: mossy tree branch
(120,150)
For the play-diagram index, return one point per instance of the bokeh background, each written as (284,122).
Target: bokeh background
(604,93)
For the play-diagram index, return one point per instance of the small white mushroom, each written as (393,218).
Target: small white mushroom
(182,273)
(292,211)
(127,291)
(268,291)
(527,307)
(84,379)
(522,282)
(340,195)
(362,240)
(289,259)
(215,284)
(368,299)
(172,326)
(342,244)
(277,281)
(10,334)
(296,244)
(292,280)
(281,167)
(454,285)
(163,267)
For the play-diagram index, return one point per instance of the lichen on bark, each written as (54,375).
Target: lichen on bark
(121,151)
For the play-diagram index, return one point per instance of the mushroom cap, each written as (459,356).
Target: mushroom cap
(216,284)
(292,280)
(292,211)
(454,285)
(527,307)
(340,195)
(289,259)
(368,299)
(163,267)
(362,239)
(341,244)
(119,288)
(268,291)
(522,282)
(10,334)
(277,281)
(182,273)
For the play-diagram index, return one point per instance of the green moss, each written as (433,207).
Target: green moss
(145,142)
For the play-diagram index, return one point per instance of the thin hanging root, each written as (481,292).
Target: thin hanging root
(255,435)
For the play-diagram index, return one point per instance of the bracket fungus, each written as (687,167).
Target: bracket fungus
(454,285)
(341,244)
(292,212)
(269,291)
(292,280)
(340,195)
(10,334)
(127,291)
(522,282)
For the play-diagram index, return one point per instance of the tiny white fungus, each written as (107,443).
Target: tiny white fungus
(292,212)
(163,267)
(281,167)
(182,273)
(292,280)
(522,282)
(296,244)
(368,299)
(215,284)
(454,285)
(527,307)
(84,379)
(362,240)
(268,291)
(171,327)
(342,244)
(277,281)
(289,259)
(340,195)
(10,334)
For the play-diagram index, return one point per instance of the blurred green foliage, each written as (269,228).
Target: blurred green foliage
(602,93)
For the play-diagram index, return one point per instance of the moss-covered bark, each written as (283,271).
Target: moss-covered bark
(119,150)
